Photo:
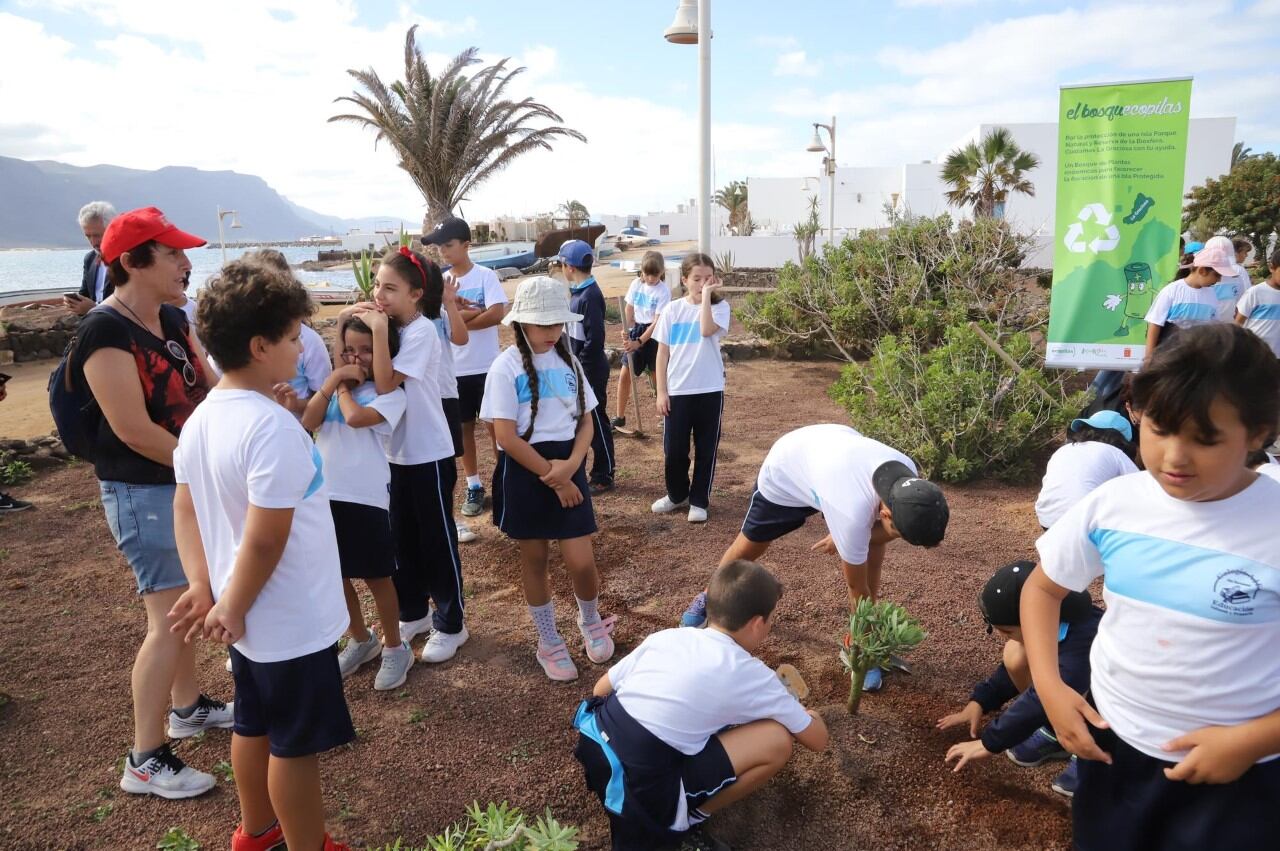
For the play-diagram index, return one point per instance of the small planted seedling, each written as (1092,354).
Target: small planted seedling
(177,839)
(877,631)
(223,769)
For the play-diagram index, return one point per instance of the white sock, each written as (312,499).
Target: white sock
(588,610)
(473,481)
(544,621)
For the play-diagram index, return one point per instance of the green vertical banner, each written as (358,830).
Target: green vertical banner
(1122,149)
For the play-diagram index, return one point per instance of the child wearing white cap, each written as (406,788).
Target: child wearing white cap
(540,403)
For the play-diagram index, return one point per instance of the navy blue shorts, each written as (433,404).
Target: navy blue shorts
(366,549)
(470,395)
(297,704)
(526,509)
(1130,804)
(767,521)
(645,357)
(453,416)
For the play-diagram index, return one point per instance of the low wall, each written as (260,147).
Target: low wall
(35,332)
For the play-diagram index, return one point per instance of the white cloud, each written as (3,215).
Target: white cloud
(795,63)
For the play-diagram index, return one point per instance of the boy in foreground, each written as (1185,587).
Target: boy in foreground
(256,537)
(1178,737)
(661,718)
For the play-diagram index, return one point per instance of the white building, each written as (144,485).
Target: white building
(863,193)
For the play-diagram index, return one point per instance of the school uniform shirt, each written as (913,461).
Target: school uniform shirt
(1229,291)
(446,376)
(586,337)
(647,301)
(686,685)
(1192,592)
(189,308)
(1075,470)
(314,364)
(422,435)
(1260,307)
(480,285)
(240,449)
(355,459)
(1183,305)
(507,395)
(1271,470)
(829,467)
(695,365)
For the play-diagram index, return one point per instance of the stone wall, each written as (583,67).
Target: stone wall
(39,452)
(35,332)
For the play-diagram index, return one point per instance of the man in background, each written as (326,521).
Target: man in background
(94,286)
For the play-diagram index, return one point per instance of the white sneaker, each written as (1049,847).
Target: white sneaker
(465,535)
(555,662)
(356,653)
(697,515)
(166,776)
(396,662)
(442,646)
(209,714)
(410,630)
(666,506)
(597,639)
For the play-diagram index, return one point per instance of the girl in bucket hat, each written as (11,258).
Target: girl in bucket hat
(540,403)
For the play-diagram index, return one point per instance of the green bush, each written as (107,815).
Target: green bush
(958,409)
(919,276)
(15,472)
(498,826)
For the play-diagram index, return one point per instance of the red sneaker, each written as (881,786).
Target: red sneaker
(330,845)
(272,839)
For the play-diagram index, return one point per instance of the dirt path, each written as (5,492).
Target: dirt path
(488,725)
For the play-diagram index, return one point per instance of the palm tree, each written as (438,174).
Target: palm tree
(575,211)
(734,199)
(984,173)
(451,132)
(1239,153)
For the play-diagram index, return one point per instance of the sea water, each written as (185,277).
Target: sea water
(40,269)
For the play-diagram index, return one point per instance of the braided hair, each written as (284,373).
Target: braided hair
(526,356)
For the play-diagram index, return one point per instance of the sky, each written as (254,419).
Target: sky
(249,86)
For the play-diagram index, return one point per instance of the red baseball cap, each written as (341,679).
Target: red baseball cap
(131,229)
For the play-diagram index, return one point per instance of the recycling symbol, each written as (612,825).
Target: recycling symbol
(1074,240)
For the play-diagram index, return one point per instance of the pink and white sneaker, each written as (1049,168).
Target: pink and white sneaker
(597,639)
(555,662)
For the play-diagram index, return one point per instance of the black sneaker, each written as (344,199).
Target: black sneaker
(618,422)
(600,486)
(700,839)
(12,505)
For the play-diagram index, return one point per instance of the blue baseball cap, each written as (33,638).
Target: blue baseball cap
(1107,419)
(575,252)
(1193,247)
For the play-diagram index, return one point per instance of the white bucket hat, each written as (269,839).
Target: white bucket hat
(541,301)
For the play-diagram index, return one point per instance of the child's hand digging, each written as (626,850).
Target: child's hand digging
(970,715)
(966,752)
(826,545)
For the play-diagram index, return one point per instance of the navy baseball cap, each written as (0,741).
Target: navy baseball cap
(449,229)
(575,252)
(1001,598)
(919,509)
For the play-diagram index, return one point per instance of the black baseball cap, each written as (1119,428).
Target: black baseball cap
(1001,597)
(449,229)
(918,507)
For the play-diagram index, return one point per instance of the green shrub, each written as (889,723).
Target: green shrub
(919,276)
(498,826)
(958,409)
(16,473)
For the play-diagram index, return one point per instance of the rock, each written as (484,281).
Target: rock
(614,356)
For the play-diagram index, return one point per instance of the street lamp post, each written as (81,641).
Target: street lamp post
(235,223)
(694,27)
(829,161)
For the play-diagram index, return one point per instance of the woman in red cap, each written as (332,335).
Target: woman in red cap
(137,357)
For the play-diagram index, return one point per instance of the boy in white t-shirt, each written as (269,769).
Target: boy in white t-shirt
(1259,308)
(483,304)
(1190,301)
(868,494)
(252,522)
(691,721)
(1178,737)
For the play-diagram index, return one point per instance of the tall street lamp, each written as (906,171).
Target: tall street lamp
(829,162)
(692,25)
(235,223)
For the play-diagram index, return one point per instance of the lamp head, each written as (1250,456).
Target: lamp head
(815,144)
(684,28)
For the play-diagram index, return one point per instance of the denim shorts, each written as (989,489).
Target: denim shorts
(141,521)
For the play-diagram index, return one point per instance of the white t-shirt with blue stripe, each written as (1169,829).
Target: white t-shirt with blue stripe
(1260,307)
(1183,305)
(647,300)
(1192,626)
(507,395)
(695,365)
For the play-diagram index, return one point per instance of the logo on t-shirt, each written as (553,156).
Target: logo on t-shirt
(1234,592)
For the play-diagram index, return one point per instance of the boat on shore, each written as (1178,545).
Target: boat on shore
(503,255)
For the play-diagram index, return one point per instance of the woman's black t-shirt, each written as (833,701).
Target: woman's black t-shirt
(168,398)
